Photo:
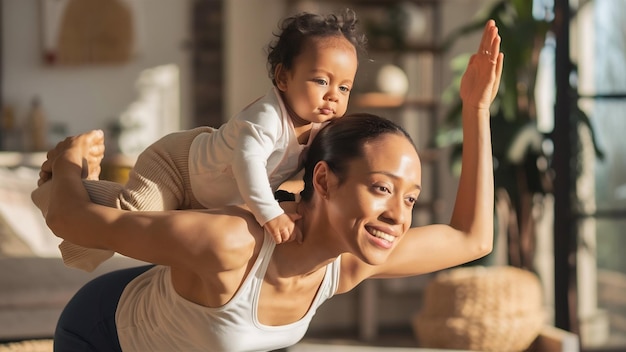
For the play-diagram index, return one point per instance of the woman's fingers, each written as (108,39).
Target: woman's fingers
(490,42)
(496,83)
(480,83)
(490,49)
(486,41)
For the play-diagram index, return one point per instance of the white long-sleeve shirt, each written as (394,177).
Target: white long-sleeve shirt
(248,158)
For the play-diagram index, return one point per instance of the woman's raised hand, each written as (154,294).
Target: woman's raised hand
(481,80)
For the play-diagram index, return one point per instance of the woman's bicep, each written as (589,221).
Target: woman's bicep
(430,248)
(189,239)
(155,237)
(176,238)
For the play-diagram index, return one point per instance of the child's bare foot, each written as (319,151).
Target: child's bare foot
(94,156)
(90,148)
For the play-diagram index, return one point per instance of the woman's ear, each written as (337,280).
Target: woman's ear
(322,178)
(280,77)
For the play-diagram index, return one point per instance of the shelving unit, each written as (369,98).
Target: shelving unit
(418,56)
(418,111)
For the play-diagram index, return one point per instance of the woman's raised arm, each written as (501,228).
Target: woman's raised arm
(469,235)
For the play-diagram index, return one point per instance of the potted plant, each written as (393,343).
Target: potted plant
(522,172)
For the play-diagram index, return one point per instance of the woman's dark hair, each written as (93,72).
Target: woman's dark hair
(342,140)
(289,43)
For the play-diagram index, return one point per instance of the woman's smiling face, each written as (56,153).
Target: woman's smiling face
(373,207)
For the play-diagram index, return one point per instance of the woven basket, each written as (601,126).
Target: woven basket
(482,309)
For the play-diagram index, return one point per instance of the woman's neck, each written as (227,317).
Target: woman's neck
(316,250)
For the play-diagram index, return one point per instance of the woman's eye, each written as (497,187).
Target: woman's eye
(411,200)
(383,189)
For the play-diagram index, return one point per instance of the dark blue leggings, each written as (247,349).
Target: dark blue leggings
(88,321)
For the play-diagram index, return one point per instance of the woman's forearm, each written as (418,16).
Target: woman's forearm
(61,195)
(68,203)
(473,210)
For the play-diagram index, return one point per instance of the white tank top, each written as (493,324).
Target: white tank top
(151,316)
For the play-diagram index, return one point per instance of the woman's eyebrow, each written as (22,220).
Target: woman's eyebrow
(395,177)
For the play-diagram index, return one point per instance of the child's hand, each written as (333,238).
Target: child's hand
(283,228)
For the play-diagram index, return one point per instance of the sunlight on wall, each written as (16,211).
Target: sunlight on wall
(155,112)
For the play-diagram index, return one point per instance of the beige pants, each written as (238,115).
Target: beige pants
(158,181)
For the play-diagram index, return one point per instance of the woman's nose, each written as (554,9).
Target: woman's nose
(396,212)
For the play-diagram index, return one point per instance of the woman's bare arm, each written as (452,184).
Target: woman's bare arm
(177,238)
(469,235)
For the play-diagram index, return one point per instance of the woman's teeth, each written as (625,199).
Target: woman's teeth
(385,236)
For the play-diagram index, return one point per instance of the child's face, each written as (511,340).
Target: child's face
(318,86)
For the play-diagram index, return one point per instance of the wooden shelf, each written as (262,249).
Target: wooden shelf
(377,100)
(383,100)
(372,2)
(375,47)
(429,155)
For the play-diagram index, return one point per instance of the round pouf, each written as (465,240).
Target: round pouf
(482,309)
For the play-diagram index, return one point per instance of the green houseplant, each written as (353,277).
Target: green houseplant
(522,170)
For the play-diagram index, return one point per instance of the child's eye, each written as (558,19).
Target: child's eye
(320,81)
(344,89)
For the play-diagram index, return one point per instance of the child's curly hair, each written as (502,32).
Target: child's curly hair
(295,29)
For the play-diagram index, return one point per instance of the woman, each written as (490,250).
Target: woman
(221,284)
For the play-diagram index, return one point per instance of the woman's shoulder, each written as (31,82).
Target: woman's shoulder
(242,235)
(227,237)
